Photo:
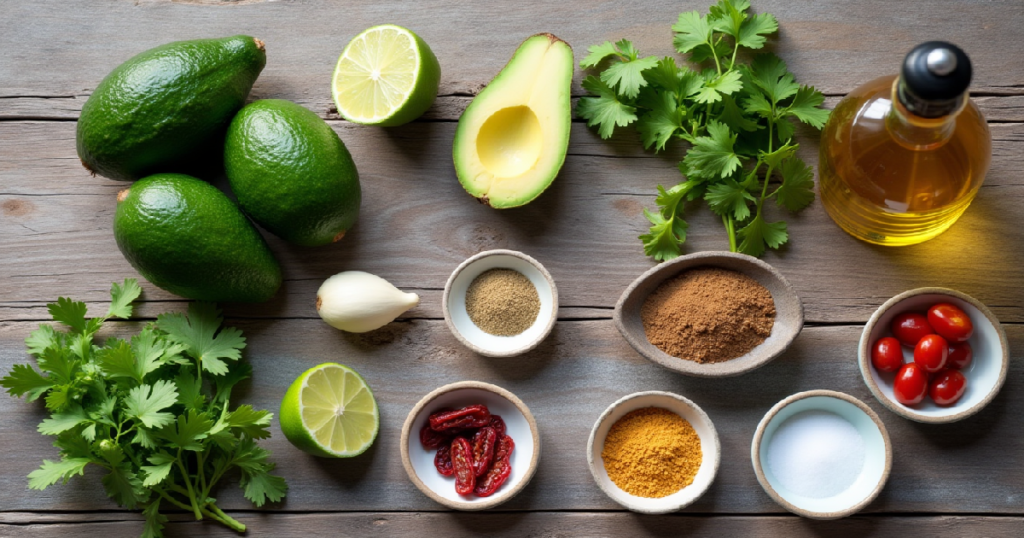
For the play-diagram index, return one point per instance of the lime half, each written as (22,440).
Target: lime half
(329,411)
(385,76)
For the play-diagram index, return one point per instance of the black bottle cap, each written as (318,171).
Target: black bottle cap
(934,79)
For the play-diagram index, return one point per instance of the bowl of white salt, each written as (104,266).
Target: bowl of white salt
(821,454)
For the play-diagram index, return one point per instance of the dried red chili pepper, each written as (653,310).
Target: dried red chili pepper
(483,449)
(431,439)
(462,465)
(499,471)
(443,461)
(472,416)
(498,424)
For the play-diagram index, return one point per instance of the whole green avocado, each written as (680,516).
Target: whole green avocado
(291,173)
(166,109)
(187,237)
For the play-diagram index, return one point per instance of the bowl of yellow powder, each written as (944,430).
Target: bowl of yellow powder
(500,303)
(654,452)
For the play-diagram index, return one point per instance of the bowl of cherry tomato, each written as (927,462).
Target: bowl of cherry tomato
(470,445)
(933,355)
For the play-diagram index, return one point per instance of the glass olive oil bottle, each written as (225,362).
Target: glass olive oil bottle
(903,156)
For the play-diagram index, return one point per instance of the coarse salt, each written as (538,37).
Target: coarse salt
(816,454)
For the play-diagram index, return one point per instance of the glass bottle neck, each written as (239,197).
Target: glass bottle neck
(915,132)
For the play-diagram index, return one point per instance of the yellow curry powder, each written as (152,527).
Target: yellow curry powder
(652,452)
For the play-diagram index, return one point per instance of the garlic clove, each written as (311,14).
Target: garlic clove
(358,302)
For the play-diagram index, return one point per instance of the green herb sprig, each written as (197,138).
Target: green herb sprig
(152,411)
(738,119)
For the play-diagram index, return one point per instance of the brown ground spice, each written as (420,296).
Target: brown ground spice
(708,315)
(502,302)
(652,452)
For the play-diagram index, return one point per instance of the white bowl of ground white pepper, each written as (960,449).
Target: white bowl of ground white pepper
(500,303)
(654,452)
(710,314)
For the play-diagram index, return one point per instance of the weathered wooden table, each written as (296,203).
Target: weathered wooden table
(417,224)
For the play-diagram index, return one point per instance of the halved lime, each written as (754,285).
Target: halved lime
(329,411)
(385,76)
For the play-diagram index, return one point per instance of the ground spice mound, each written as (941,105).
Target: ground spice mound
(502,302)
(652,452)
(708,315)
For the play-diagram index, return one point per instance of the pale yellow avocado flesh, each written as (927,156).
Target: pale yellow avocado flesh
(511,140)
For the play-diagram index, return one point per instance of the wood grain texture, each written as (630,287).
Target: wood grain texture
(417,225)
(532,524)
(583,367)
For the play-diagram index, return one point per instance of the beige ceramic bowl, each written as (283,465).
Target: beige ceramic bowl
(877,454)
(520,425)
(985,375)
(789,313)
(453,303)
(710,448)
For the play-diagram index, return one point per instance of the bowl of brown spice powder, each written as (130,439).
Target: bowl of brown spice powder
(500,303)
(654,452)
(710,314)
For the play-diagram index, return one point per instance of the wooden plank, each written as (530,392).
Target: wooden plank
(834,45)
(967,467)
(417,225)
(534,524)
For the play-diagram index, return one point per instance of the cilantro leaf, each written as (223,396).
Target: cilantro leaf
(627,75)
(146,403)
(122,297)
(198,333)
(769,73)
(190,390)
(124,486)
(24,379)
(605,110)
(752,31)
(251,422)
(188,432)
(42,338)
(118,361)
(797,189)
(657,126)
(805,107)
(668,230)
(729,198)
(757,233)
(154,520)
(53,471)
(692,31)
(262,486)
(149,350)
(723,84)
(666,75)
(713,155)
(733,116)
(57,361)
(68,312)
(61,422)
(224,383)
(159,470)
(597,53)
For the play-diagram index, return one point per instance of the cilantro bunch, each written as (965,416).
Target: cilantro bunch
(738,119)
(152,411)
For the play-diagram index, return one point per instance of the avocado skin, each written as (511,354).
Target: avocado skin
(166,109)
(187,237)
(291,172)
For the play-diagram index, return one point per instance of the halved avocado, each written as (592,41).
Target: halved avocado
(511,140)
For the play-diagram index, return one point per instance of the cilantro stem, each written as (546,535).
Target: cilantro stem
(188,485)
(730,227)
(201,483)
(228,520)
(171,500)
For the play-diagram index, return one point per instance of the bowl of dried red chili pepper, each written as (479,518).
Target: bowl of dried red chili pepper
(470,445)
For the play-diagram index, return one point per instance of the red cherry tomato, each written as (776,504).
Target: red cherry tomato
(947,387)
(910,327)
(931,353)
(887,355)
(911,384)
(950,322)
(960,356)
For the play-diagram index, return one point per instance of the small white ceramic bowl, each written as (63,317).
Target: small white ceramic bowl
(453,303)
(877,454)
(710,447)
(519,424)
(985,375)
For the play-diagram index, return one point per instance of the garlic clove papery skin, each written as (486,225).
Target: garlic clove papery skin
(358,302)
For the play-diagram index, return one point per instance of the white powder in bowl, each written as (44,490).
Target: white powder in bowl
(816,454)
